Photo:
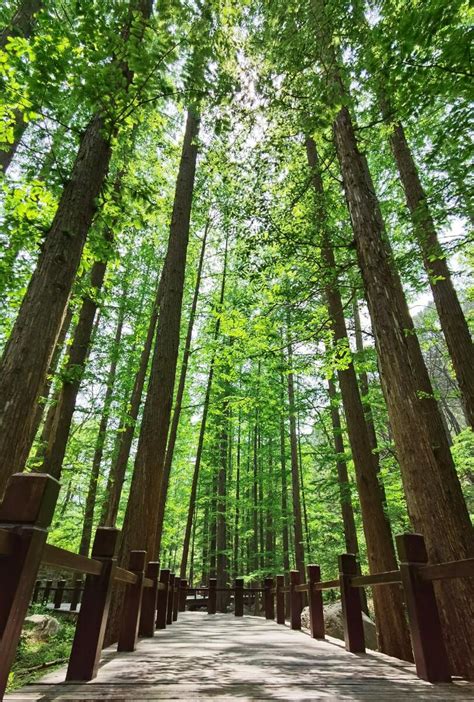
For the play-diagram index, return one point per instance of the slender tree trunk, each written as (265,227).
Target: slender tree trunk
(303,492)
(20,25)
(221,510)
(57,439)
(269,527)
(202,431)
(101,436)
(392,631)
(126,429)
(255,510)
(450,313)
(284,500)
(179,398)
(236,566)
(435,502)
(295,480)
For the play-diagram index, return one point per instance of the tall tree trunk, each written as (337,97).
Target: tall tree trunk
(295,480)
(28,353)
(221,510)
(269,527)
(202,431)
(179,398)
(57,440)
(255,510)
(140,524)
(303,492)
(433,492)
(101,436)
(450,313)
(236,565)
(20,25)
(345,497)
(126,429)
(392,631)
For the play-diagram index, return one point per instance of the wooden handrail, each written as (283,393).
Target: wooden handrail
(388,578)
(326,584)
(451,569)
(124,576)
(66,560)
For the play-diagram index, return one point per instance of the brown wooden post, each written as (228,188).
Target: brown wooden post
(58,595)
(269,599)
(296,601)
(212,596)
(132,605)
(92,619)
(162,603)
(47,592)
(26,512)
(177,585)
(280,599)
(183,592)
(239,597)
(36,592)
(169,610)
(76,594)
(429,650)
(149,600)
(315,598)
(351,605)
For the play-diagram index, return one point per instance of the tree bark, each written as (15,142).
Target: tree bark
(101,436)
(58,436)
(221,510)
(450,313)
(392,631)
(179,397)
(295,480)
(126,429)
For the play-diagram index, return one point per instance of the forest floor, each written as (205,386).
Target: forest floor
(221,657)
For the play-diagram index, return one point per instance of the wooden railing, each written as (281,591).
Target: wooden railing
(415,576)
(153,597)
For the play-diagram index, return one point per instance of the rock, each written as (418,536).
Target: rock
(334,625)
(42,626)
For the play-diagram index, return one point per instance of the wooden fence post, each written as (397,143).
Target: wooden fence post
(47,592)
(351,605)
(26,512)
(76,594)
(296,602)
(429,650)
(239,597)
(177,585)
(132,604)
(162,603)
(269,599)
(92,619)
(315,598)
(169,609)
(183,592)
(149,600)
(280,599)
(212,596)
(58,595)
(36,592)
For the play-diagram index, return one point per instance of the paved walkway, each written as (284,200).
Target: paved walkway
(221,657)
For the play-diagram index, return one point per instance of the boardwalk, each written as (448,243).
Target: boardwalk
(224,658)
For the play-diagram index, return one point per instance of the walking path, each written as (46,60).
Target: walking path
(222,657)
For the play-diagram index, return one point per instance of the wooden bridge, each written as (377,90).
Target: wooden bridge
(166,653)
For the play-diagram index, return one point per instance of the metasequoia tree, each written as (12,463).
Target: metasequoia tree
(31,344)
(427,469)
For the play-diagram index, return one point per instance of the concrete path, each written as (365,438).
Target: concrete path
(221,657)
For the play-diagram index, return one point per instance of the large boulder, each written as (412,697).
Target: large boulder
(42,626)
(334,624)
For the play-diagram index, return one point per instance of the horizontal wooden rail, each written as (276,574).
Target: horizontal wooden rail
(389,578)
(304,587)
(124,576)
(326,584)
(66,560)
(148,582)
(444,571)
